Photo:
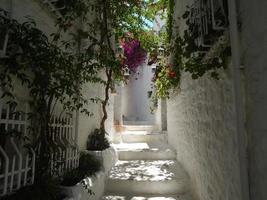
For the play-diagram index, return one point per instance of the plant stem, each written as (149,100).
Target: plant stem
(108,69)
(105,102)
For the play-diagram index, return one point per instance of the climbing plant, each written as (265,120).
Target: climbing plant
(50,74)
(188,56)
(105,23)
(90,49)
(115,21)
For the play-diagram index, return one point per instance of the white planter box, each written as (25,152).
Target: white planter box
(108,157)
(78,192)
(97,183)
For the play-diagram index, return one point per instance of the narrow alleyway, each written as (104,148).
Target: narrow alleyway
(147,168)
(73,73)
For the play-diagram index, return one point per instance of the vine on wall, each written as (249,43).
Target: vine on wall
(190,57)
(55,70)
(51,75)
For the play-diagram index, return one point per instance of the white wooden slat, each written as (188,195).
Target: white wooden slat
(62,134)
(33,165)
(16,172)
(19,155)
(12,174)
(16,176)
(26,170)
(5,174)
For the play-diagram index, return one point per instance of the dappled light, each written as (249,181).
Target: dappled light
(141,170)
(132,146)
(138,198)
(133,99)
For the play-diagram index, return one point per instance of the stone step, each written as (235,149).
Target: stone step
(144,151)
(143,136)
(137,122)
(164,177)
(186,196)
(139,127)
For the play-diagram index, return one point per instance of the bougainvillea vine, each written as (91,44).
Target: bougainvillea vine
(134,54)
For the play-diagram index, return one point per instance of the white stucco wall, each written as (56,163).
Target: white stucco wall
(110,120)
(31,8)
(202,129)
(19,9)
(118,104)
(87,124)
(135,101)
(161,115)
(253,17)
(45,21)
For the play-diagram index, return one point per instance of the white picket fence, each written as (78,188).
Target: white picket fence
(66,156)
(17,166)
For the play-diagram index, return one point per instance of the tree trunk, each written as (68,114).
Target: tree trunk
(105,102)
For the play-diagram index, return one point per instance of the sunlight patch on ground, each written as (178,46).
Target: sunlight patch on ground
(131,146)
(136,132)
(141,170)
(137,198)
(135,147)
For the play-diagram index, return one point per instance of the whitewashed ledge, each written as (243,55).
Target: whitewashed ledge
(96,184)
(79,192)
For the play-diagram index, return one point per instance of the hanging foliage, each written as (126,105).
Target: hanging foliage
(134,54)
(190,57)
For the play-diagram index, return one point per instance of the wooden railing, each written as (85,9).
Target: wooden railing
(17,166)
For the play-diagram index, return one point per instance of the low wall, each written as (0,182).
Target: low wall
(94,187)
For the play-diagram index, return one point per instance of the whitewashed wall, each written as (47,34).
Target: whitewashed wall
(46,22)
(202,129)
(32,8)
(253,17)
(87,124)
(161,115)
(135,101)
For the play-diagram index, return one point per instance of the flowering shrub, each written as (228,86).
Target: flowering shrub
(166,78)
(134,54)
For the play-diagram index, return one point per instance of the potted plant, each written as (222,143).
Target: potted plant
(87,181)
(98,145)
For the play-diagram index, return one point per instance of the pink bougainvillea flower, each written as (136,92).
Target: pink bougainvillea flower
(135,55)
